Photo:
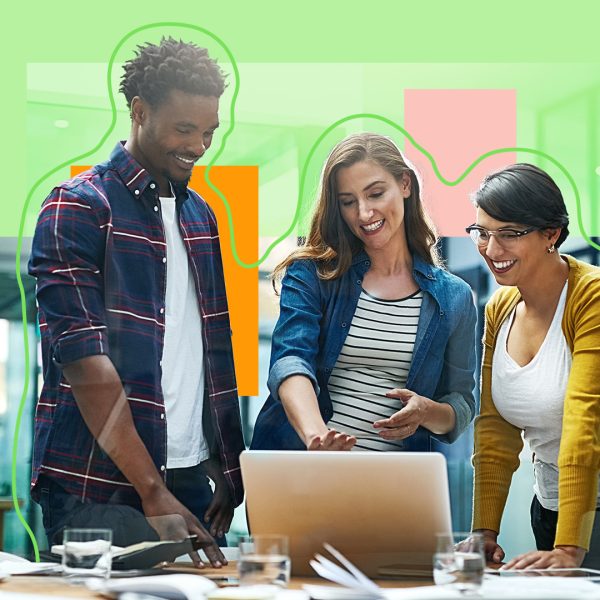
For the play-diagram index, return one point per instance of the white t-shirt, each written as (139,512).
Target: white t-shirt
(182,359)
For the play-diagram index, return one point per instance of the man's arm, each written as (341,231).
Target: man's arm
(101,399)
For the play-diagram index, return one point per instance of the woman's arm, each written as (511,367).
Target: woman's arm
(294,351)
(455,388)
(294,344)
(579,455)
(302,409)
(497,442)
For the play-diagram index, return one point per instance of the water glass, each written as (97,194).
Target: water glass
(264,559)
(459,561)
(87,553)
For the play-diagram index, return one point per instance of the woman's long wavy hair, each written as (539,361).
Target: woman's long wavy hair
(330,243)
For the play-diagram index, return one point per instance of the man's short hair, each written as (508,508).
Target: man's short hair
(158,69)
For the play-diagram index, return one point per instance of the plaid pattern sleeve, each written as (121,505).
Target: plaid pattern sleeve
(99,258)
(69,248)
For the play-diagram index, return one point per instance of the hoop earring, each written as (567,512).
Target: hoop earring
(551,250)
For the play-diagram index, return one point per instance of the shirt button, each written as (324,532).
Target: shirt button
(162,467)
(343,324)
(162,311)
(162,416)
(164,259)
(358,281)
(136,192)
(160,363)
(152,186)
(155,208)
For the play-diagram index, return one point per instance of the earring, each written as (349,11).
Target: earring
(551,249)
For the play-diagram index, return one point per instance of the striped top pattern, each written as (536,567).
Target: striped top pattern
(375,358)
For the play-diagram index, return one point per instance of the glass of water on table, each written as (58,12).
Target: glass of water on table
(264,560)
(87,553)
(459,561)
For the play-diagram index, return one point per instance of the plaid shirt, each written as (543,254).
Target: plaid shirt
(99,258)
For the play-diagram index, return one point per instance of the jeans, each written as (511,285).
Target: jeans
(189,485)
(543,523)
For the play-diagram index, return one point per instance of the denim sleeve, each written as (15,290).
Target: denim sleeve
(67,260)
(295,342)
(457,381)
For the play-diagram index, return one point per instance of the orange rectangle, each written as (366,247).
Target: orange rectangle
(239,185)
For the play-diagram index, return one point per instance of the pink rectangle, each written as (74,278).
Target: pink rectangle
(456,127)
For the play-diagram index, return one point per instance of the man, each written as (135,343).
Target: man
(139,403)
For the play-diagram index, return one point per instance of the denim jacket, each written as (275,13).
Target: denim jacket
(314,319)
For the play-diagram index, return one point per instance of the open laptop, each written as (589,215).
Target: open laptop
(381,510)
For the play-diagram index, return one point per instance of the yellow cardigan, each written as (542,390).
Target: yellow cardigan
(498,443)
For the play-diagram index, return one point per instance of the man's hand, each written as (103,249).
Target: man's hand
(220,509)
(172,520)
(562,557)
(332,440)
(492,550)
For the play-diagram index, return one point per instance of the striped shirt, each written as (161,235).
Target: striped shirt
(99,256)
(375,358)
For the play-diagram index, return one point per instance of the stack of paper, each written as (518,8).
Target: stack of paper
(355,585)
(11,564)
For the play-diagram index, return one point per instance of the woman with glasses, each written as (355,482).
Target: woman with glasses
(374,346)
(540,371)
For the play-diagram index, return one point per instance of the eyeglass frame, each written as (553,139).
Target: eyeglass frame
(519,233)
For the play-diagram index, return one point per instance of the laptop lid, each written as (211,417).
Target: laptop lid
(381,510)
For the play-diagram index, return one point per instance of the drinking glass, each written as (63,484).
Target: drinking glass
(459,561)
(264,559)
(87,553)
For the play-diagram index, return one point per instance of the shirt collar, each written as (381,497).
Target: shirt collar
(424,268)
(135,177)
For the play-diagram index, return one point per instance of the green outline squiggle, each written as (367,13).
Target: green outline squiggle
(430,158)
(68,163)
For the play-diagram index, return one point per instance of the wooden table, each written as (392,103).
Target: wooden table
(56,586)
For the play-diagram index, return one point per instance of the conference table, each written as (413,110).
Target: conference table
(56,586)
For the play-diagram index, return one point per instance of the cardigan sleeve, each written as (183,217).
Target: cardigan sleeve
(579,454)
(497,442)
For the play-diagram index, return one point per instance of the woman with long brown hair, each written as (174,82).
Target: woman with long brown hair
(375,343)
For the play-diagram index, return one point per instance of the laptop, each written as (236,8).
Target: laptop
(381,510)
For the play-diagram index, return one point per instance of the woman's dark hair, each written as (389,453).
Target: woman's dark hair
(158,69)
(524,194)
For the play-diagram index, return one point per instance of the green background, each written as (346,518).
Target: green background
(302,66)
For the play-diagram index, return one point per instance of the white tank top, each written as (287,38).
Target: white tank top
(532,398)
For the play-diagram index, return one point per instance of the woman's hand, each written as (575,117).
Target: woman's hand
(406,421)
(332,440)
(562,557)
(492,550)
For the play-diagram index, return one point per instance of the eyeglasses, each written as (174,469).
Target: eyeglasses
(506,236)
